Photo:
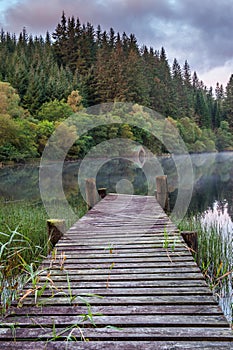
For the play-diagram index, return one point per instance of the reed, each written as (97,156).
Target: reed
(214,257)
(24,244)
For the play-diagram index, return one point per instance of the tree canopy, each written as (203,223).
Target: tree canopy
(44,80)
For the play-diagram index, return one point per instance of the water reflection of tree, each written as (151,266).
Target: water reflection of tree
(117,169)
(213,181)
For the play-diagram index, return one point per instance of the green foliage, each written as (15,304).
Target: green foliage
(9,129)
(62,140)
(224,137)
(9,101)
(17,139)
(196,139)
(208,137)
(54,111)
(10,152)
(44,130)
(48,81)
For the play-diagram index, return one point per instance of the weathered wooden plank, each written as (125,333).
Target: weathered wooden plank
(99,219)
(118,242)
(76,263)
(125,250)
(122,232)
(136,284)
(83,252)
(189,334)
(157,233)
(123,310)
(109,268)
(58,345)
(107,244)
(60,299)
(123,321)
(128,259)
(61,276)
(119,345)
(109,291)
(154,225)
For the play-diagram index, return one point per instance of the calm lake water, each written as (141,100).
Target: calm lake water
(212,182)
(209,182)
(212,179)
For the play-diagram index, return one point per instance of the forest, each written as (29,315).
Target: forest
(44,80)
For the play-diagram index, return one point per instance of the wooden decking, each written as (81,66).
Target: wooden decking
(122,278)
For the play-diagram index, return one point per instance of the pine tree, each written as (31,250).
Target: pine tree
(60,37)
(177,97)
(218,106)
(19,73)
(188,101)
(112,38)
(86,53)
(137,86)
(202,112)
(71,44)
(228,103)
(102,70)
(195,81)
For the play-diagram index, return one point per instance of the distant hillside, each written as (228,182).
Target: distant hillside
(80,66)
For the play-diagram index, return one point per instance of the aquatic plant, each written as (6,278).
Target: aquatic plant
(214,256)
(23,245)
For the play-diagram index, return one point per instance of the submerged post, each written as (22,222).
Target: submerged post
(162,195)
(102,192)
(191,239)
(91,193)
(56,230)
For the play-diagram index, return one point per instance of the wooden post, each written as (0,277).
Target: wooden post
(162,192)
(102,192)
(91,193)
(191,239)
(56,230)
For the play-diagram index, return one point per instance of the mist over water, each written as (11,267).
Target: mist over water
(213,178)
(213,181)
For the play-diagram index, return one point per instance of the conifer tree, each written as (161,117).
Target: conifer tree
(60,37)
(218,106)
(202,112)
(228,103)
(137,86)
(177,96)
(188,101)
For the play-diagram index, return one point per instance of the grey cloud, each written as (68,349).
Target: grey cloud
(200,31)
(212,20)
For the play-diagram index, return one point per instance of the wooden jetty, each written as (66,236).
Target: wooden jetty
(121,278)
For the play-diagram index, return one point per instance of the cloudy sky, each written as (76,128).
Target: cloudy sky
(197,30)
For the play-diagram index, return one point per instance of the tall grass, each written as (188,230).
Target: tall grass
(24,244)
(23,240)
(27,218)
(214,256)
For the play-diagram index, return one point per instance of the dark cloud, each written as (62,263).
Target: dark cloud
(199,31)
(211,20)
